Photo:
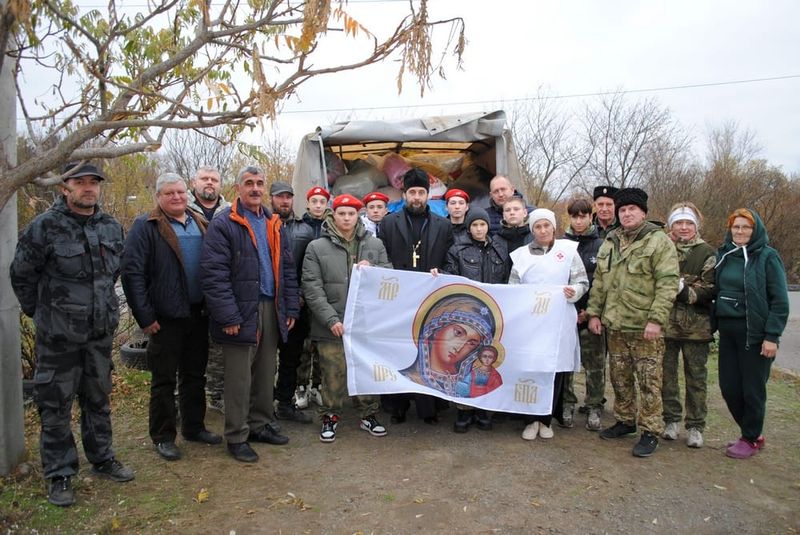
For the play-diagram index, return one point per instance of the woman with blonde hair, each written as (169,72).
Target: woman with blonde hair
(689,329)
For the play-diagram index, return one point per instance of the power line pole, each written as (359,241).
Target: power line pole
(12,436)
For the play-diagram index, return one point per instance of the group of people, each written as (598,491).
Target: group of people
(264,282)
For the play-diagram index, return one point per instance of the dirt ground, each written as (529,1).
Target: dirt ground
(427,479)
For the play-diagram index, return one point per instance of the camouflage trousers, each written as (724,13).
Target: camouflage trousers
(695,371)
(65,370)
(635,361)
(308,370)
(593,360)
(215,371)
(333,369)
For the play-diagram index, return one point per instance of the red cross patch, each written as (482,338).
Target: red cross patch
(560,257)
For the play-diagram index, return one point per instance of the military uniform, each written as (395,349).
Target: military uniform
(63,274)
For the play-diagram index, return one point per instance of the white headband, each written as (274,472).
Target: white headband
(684,213)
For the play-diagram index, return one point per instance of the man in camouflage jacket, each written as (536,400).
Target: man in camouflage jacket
(63,273)
(634,286)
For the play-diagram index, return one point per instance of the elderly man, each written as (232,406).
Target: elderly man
(635,283)
(604,216)
(299,234)
(250,285)
(160,276)
(416,239)
(63,274)
(205,199)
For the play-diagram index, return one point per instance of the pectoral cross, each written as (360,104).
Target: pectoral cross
(414,255)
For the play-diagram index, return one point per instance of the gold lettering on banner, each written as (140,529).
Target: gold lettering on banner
(541,303)
(381,373)
(526,393)
(389,288)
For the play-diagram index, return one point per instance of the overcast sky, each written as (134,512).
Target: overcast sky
(579,47)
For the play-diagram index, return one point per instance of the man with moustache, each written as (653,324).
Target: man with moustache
(205,199)
(299,234)
(416,240)
(604,217)
(250,285)
(63,274)
(160,276)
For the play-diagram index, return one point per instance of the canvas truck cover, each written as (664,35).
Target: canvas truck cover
(482,139)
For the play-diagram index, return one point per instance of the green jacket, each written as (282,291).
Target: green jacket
(751,285)
(690,318)
(326,273)
(636,285)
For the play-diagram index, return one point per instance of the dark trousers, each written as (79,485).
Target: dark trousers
(178,351)
(289,358)
(427,406)
(64,370)
(743,375)
(558,401)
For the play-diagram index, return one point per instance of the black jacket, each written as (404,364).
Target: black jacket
(300,234)
(437,237)
(588,246)
(514,237)
(482,262)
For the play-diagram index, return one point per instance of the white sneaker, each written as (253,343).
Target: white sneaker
(301,398)
(671,431)
(530,432)
(545,431)
(315,395)
(695,438)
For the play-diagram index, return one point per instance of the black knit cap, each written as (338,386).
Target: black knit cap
(475,213)
(416,178)
(627,196)
(604,191)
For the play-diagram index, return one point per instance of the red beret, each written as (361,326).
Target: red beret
(347,200)
(316,190)
(375,196)
(455,192)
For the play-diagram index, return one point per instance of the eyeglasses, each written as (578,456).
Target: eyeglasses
(741,228)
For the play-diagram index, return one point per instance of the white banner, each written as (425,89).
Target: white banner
(491,346)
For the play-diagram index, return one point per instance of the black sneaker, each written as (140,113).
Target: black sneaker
(287,411)
(371,425)
(618,430)
(60,492)
(114,470)
(329,424)
(646,445)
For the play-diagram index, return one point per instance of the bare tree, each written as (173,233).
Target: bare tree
(184,151)
(549,152)
(128,79)
(618,134)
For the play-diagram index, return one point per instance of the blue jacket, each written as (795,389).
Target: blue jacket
(152,269)
(229,272)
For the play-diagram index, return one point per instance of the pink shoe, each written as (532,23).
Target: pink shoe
(742,449)
(761,442)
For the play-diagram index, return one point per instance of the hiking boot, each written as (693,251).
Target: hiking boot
(531,431)
(618,430)
(742,449)
(60,491)
(114,470)
(545,431)
(463,421)
(694,438)
(671,431)
(217,405)
(315,395)
(566,419)
(371,425)
(483,420)
(329,424)
(301,398)
(287,411)
(646,446)
(593,422)
(269,435)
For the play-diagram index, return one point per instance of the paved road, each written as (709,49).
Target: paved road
(789,352)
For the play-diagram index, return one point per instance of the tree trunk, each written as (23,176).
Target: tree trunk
(12,436)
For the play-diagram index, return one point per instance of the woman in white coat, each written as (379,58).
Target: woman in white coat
(556,262)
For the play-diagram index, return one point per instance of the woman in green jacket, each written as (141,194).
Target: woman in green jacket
(750,311)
